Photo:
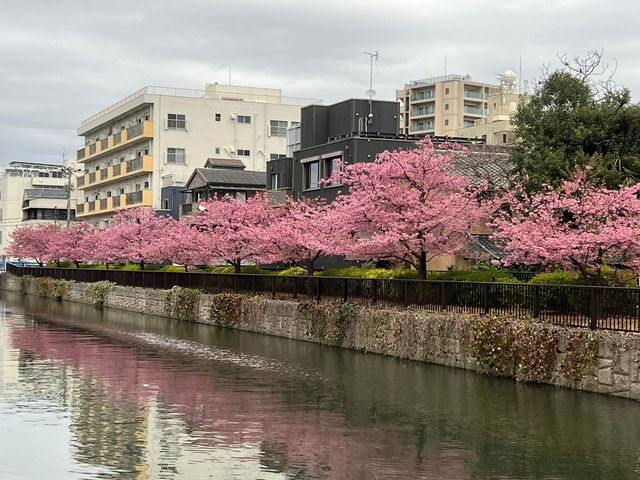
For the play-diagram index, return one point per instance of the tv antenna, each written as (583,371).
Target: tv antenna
(371,92)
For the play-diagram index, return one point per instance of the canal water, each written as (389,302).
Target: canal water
(91,394)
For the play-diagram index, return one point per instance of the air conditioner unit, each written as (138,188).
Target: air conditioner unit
(232,150)
(233,116)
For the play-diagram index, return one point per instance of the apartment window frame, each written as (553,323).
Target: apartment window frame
(446,91)
(277,156)
(311,174)
(178,122)
(217,117)
(174,154)
(278,128)
(446,106)
(243,119)
(446,123)
(243,152)
(331,164)
(217,150)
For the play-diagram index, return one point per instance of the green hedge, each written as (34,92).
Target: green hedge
(496,276)
(364,272)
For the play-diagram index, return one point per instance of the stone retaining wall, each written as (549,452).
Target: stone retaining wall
(443,338)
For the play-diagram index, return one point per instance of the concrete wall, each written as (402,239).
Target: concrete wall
(442,338)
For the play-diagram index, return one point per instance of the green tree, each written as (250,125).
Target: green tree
(571,122)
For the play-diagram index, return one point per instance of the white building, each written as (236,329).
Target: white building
(32,193)
(157,136)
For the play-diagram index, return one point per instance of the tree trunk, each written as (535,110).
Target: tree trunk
(106,266)
(141,264)
(186,268)
(237,265)
(422,270)
(311,267)
(77,264)
(58,263)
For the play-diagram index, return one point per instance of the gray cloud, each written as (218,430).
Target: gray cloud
(63,61)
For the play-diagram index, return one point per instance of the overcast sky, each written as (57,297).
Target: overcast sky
(62,61)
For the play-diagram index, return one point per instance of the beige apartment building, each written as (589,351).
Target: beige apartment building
(157,136)
(496,128)
(442,105)
(32,193)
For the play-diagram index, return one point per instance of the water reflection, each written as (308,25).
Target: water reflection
(143,397)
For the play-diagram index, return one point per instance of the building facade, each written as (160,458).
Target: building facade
(496,128)
(442,105)
(146,146)
(32,193)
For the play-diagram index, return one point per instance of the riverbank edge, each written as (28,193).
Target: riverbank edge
(597,361)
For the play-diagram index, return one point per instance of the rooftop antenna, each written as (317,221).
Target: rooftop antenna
(371,92)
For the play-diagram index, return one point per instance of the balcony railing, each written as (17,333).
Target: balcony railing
(133,197)
(135,131)
(80,208)
(144,129)
(116,170)
(133,165)
(116,202)
(92,206)
(103,204)
(104,174)
(422,127)
(422,111)
(473,110)
(92,177)
(471,94)
(422,96)
(80,182)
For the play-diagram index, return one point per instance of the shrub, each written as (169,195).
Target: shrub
(62,265)
(61,289)
(174,268)
(247,269)
(182,303)
(582,355)
(99,291)
(368,272)
(25,284)
(43,285)
(489,275)
(558,277)
(294,271)
(330,320)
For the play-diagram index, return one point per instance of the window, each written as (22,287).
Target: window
(108,193)
(244,119)
(311,175)
(218,117)
(275,181)
(244,153)
(177,121)
(146,185)
(121,191)
(446,106)
(446,91)
(278,128)
(446,123)
(276,156)
(217,150)
(331,166)
(241,196)
(176,155)
(504,138)
(165,204)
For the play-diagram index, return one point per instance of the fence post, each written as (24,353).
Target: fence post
(295,287)
(405,293)
(273,286)
(219,283)
(319,290)
(253,284)
(536,301)
(443,296)
(189,276)
(485,298)
(345,289)
(374,291)
(593,308)
(235,283)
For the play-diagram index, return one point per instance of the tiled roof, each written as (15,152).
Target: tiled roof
(233,177)
(224,163)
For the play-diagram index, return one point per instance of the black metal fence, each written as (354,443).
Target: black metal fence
(613,308)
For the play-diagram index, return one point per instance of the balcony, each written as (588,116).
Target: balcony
(428,95)
(422,127)
(473,110)
(422,111)
(117,172)
(113,142)
(107,206)
(472,94)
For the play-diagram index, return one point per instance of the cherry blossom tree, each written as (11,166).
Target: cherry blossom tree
(408,206)
(578,227)
(135,235)
(304,231)
(234,228)
(73,243)
(33,242)
(183,243)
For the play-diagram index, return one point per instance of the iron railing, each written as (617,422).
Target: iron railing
(611,308)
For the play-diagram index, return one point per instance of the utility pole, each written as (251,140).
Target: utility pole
(68,196)
(371,92)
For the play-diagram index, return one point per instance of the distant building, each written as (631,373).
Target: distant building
(219,178)
(141,150)
(497,128)
(32,193)
(442,105)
